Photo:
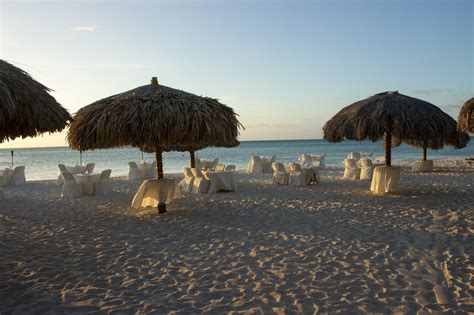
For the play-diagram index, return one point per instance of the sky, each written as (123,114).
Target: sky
(286,67)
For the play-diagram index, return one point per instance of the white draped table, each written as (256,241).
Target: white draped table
(154,191)
(222,180)
(78,169)
(423,166)
(87,182)
(385,179)
(5,176)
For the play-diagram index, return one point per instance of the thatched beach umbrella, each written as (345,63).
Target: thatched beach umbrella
(466,116)
(155,118)
(395,118)
(26,107)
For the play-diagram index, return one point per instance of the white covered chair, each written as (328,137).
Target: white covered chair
(62,169)
(186,184)
(230,168)
(104,185)
(255,165)
(297,176)
(70,187)
(354,155)
(90,168)
(134,172)
(5,177)
(200,184)
(280,176)
(319,161)
(268,166)
(18,176)
(153,170)
(379,160)
(214,164)
(351,170)
(366,169)
(220,167)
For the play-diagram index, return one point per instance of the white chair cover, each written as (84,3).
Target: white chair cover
(154,191)
(104,186)
(297,177)
(70,187)
(354,156)
(18,176)
(200,184)
(280,176)
(267,168)
(320,161)
(220,167)
(366,169)
(62,169)
(90,168)
(423,166)
(379,160)
(351,170)
(153,170)
(255,165)
(5,177)
(134,172)
(186,184)
(214,164)
(230,168)
(385,179)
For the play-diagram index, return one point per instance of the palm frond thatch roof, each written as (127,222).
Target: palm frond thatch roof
(152,116)
(411,120)
(466,116)
(26,107)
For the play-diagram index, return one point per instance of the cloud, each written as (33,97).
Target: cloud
(431,91)
(85,28)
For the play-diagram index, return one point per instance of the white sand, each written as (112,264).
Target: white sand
(327,247)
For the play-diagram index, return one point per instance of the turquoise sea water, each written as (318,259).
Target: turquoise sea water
(41,162)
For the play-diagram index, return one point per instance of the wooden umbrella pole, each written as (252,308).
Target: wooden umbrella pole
(193,159)
(388,143)
(159,163)
(159,172)
(424,153)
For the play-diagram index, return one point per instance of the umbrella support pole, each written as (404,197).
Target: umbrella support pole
(388,144)
(193,159)
(159,172)
(424,153)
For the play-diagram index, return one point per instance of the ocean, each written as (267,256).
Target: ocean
(41,163)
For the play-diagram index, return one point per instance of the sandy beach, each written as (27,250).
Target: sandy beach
(331,247)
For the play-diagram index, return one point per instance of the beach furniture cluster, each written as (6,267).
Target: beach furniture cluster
(156,118)
(15,177)
(80,180)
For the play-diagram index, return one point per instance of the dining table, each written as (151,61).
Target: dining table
(154,191)
(220,180)
(87,181)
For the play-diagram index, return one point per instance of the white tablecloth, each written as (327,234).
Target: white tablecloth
(78,169)
(220,181)
(154,191)
(145,169)
(87,181)
(385,179)
(423,166)
(5,176)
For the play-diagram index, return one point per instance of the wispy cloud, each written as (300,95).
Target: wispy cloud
(85,28)
(431,91)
